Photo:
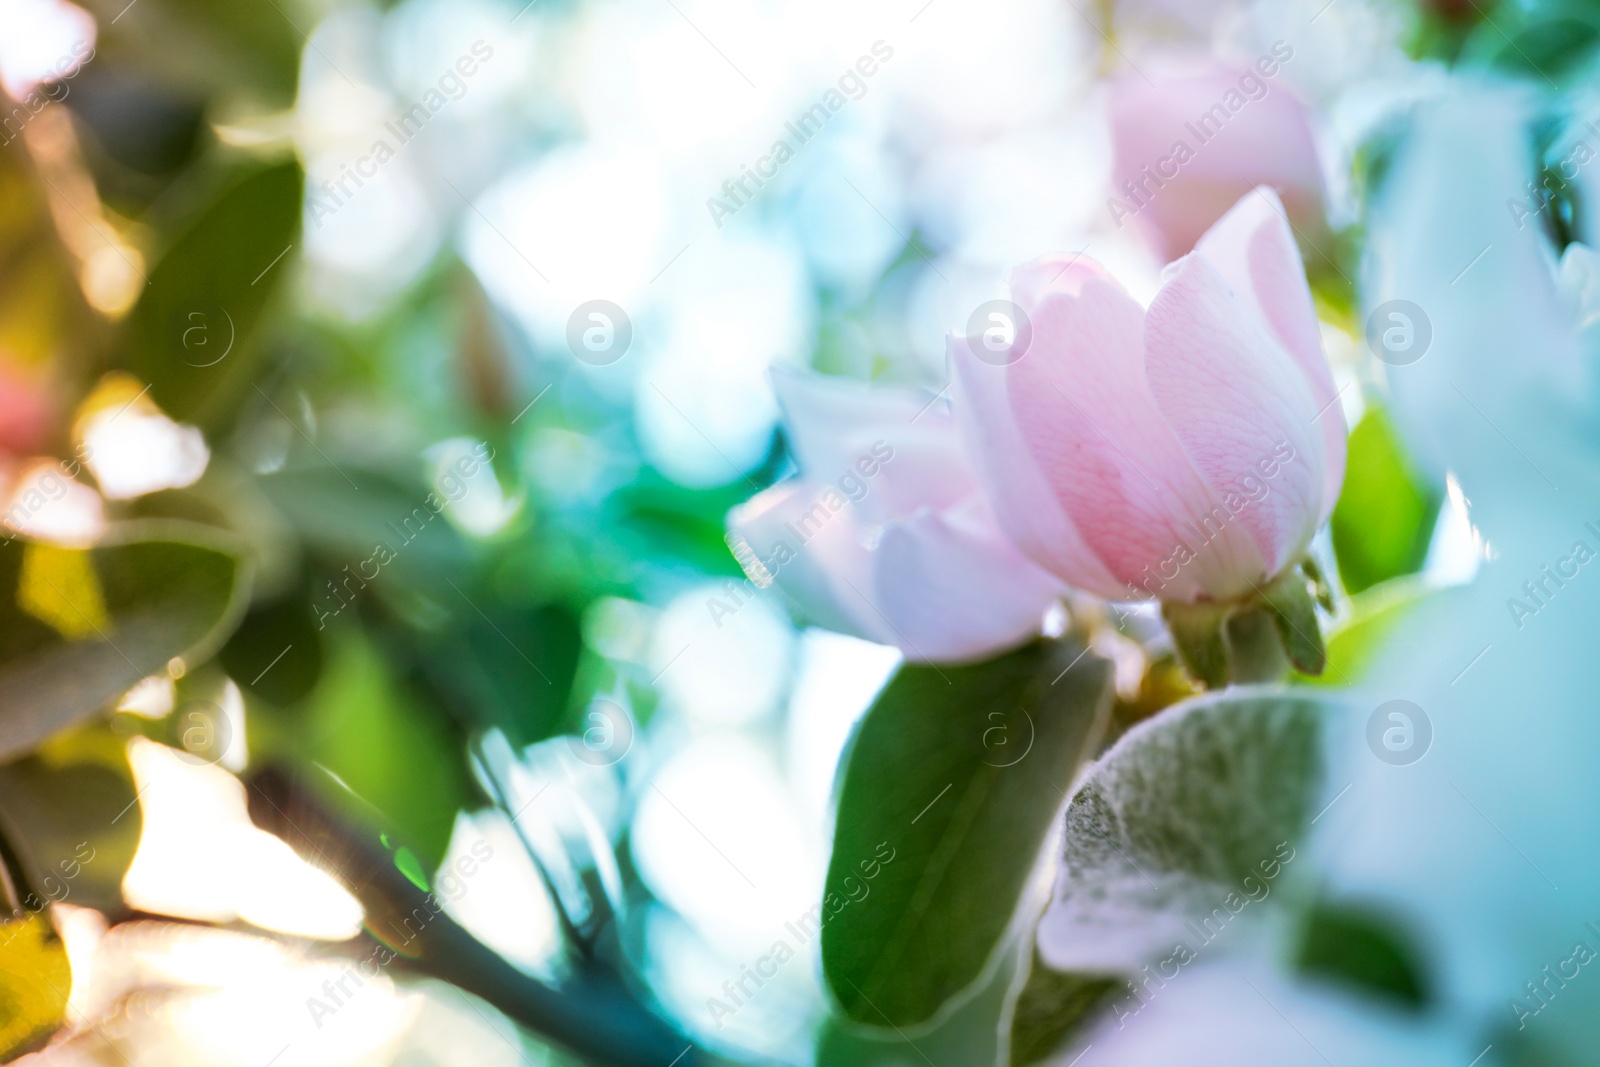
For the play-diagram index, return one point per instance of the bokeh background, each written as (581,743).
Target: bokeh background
(470,409)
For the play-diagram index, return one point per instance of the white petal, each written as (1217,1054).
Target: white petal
(787,536)
(952,588)
(838,428)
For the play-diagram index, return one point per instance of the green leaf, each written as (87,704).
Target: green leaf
(1364,949)
(1180,827)
(393,751)
(1178,843)
(655,519)
(1050,1009)
(1372,617)
(276,653)
(69,812)
(1556,48)
(508,668)
(45,324)
(345,513)
(190,335)
(203,47)
(35,983)
(970,1034)
(78,627)
(949,789)
(1384,520)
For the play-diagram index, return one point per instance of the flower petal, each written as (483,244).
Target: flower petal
(1189,143)
(779,537)
(1085,409)
(1125,476)
(1242,408)
(1253,247)
(1064,273)
(953,588)
(1023,501)
(907,439)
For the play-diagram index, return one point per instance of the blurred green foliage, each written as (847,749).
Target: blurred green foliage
(321,566)
(362,724)
(1363,949)
(191,334)
(1383,523)
(83,625)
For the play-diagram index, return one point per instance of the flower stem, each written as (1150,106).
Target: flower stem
(593,1014)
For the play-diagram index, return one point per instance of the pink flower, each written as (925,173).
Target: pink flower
(886,534)
(1187,451)
(1196,135)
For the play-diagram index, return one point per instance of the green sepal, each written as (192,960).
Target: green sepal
(1255,638)
(1289,598)
(1255,646)
(1197,637)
